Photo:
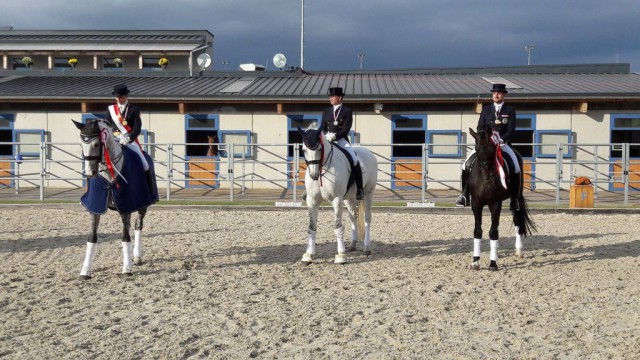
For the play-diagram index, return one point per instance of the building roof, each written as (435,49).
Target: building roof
(102,40)
(603,82)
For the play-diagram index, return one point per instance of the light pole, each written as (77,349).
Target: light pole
(528,49)
(225,63)
(302,38)
(361,56)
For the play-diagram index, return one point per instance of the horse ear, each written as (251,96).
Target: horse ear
(300,131)
(80,126)
(473,133)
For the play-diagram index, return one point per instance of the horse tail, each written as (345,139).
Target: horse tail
(523,220)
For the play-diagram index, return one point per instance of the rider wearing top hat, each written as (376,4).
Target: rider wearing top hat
(124,119)
(336,124)
(502,118)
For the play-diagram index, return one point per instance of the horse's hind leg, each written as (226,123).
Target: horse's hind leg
(494,234)
(92,244)
(353,218)
(137,251)
(518,243)
(368,202)
(126,245)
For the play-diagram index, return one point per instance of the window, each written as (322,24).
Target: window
(524,135)
(408,129)
(625,128)
(303,122)
(444,143)
(28,142)
(61,63)
(110,63)
(6,134)
(549,140)
(151,64)
(240,139)
(16,64)
(201,129)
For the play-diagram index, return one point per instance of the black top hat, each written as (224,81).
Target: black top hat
(499,88)
(336,91)
(120,90)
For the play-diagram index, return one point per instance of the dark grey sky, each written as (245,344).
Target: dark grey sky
(393,34)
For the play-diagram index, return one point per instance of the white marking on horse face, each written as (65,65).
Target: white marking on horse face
(91,149)
(310,155)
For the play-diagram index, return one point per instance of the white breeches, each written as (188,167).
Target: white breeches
(505,150)
(135,147)
(343,143)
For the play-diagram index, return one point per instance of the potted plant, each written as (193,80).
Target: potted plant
(27,61)
(163,62)
(117,62)
(73,62)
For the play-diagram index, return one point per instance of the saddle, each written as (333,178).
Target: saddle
(508,167)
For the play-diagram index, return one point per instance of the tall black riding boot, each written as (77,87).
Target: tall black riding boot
(149,180)
(463,200)
(515,183)
(358,175)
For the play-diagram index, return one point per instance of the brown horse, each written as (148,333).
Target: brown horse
(485,188)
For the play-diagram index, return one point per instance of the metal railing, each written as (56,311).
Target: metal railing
(243,166)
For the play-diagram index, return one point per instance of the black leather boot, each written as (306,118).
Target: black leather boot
(515,183)
(358,176)
(464,200)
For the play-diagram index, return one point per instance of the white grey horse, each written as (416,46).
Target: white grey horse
(327,178)
(103,156)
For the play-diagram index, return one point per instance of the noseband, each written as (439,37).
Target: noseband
(88,139)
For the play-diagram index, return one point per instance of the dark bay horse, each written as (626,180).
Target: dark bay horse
(485,188)
(114,181)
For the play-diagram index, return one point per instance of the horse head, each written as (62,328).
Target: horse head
(91,146)
(313,150)
(485,151)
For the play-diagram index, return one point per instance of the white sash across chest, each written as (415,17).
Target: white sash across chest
(116,119)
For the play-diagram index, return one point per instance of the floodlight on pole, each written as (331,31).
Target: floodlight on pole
(528,49)
(225,63)
(361,56)
(302,37)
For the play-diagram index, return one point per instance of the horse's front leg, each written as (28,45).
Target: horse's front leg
(137,251)
(312,206)
(126,245)
(477,235)
(92,244)
(495,209)
(341,257)
(353,218)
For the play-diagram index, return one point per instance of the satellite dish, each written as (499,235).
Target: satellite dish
(279,61)
(203,60)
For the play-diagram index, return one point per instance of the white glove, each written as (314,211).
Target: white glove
(501,142)
(124,141)
(331,136)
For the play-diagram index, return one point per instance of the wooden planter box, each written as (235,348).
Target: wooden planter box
(581,196)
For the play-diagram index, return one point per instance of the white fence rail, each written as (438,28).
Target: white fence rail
(275,166)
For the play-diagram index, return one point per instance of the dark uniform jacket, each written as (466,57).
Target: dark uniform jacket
(505,124)
(344,121)
(131,115)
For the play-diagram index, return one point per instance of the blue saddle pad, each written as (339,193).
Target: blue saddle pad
(130,191)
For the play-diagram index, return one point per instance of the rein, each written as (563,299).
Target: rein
(322,161)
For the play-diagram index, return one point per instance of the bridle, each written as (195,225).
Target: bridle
(322,161)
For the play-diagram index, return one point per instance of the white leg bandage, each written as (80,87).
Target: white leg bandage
(311,242)
(340,239)
(476,247)
(518,239)
(88,259)
(367,234)
(494,250)
(126,257)
(137,252)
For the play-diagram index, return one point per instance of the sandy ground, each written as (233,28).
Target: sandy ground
(228,284)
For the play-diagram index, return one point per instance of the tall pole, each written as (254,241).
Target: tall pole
(302,38)
(528,49)
(361,56)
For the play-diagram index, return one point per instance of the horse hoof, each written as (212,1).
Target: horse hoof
(493,268)
(367,253)
(307,259)
(350,249)
(474,266)
(84,277)
(137,261)
(519,256)
(340,259)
